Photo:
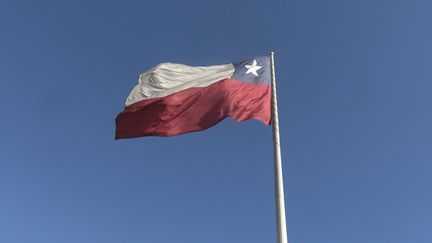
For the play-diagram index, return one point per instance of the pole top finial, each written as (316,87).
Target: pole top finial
(271,52)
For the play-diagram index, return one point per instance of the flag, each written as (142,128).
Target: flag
(172,99)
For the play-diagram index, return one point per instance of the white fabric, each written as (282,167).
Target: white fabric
(168,78)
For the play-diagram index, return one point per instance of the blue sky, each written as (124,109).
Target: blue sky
(354,82)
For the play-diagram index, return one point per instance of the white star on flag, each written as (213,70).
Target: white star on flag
(253,68)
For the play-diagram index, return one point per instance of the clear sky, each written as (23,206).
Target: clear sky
(354,79)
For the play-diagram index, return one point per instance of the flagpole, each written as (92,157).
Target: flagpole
(282,235)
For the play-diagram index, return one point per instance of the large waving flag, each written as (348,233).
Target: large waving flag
(172,99)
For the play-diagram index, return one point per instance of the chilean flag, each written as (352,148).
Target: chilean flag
(172,99)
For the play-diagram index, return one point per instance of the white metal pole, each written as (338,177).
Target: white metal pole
(282,235)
